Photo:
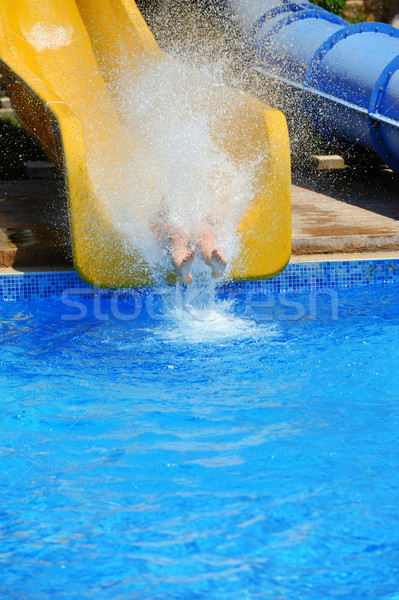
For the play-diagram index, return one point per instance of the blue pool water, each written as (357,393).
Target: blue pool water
(161,447)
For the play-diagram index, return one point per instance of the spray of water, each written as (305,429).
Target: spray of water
(176,151)
(174,154)
(178,158)
(196,315)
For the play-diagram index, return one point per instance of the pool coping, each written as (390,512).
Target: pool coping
(300,275)
(301,258)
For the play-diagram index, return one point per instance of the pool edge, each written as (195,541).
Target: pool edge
(299,276)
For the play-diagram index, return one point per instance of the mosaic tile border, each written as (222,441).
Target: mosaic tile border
(296,277)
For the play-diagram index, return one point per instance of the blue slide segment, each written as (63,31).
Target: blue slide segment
(346,76)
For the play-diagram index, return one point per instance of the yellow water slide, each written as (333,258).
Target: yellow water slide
(62,61)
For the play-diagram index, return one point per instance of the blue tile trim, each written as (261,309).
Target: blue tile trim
(296,277)
(327,274)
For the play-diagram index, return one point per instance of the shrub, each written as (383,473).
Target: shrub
(16,146)
(333,6)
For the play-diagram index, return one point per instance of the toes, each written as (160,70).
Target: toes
(189,256)
(218,258)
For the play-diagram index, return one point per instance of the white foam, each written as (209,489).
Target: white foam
(196,315)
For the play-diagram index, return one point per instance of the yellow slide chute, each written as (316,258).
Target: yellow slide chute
(59,61)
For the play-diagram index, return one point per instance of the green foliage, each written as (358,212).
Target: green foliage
(360,19)
(16,146)
(333,6)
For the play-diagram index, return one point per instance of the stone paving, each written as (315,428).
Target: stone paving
(33,224)
(345,211)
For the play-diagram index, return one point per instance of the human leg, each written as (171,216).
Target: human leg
(206,242)
(175,241)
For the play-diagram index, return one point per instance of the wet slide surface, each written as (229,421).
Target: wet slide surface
(63,64)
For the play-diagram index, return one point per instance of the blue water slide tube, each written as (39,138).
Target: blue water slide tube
(346,77)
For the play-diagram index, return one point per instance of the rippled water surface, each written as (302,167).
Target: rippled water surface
(157,447)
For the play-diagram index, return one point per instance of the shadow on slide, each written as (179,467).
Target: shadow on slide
(61,63)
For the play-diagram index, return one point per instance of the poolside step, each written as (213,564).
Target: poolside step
(325,163)
(345,244)
(333,213)
(42,256)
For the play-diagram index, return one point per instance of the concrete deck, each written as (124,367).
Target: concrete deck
(335,215)
(344,211)
(33,224)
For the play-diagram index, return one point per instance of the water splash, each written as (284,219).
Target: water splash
(169,110)
(197,315)
(175,147)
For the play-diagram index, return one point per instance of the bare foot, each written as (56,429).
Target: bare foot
(185,267)
(218,264)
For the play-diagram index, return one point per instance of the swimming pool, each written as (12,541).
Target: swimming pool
(162,445)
